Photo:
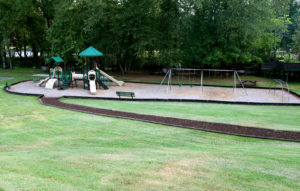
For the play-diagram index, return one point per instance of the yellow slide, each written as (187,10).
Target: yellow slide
(50,83)
(120,83)
(43,81)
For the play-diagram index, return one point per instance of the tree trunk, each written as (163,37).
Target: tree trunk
(19,52)
(35,55)
(10,59)
(119,62)
(132,61)
(121,68)
(3,55)
(25,51)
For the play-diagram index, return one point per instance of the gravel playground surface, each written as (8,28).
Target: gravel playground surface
(156,91)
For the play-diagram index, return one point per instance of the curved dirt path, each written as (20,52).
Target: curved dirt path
(183,123)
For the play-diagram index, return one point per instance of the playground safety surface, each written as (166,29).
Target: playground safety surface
(155,92)
(183,123)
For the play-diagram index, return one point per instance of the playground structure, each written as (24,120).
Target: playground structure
(63,76)
(59,74)
(193,75)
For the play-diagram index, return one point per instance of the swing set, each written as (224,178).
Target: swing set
(194,77)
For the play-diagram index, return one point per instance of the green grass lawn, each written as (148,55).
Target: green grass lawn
(45,148)
(273,117)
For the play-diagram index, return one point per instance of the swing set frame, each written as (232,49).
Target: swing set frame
(171,71)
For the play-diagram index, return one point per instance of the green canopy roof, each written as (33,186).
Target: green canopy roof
(90,52)
(56,59)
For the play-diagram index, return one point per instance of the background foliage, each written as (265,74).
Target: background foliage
(151,33)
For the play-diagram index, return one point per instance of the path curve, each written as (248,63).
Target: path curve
(183,123)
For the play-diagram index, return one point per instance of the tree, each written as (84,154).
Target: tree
(6,26)
(48,9)
(280,28)
(296,38)
(225,32)
(280,7)
(23,25)
(66,35)
(169,32)
(287,41)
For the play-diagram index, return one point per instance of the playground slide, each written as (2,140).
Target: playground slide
(50,83)
(43,81)
(93,87)
(120,83)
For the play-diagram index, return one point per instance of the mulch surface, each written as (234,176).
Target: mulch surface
(183,123)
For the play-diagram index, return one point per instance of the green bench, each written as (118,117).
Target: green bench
(125,94)
(7,85)
(36,79)
(248,82)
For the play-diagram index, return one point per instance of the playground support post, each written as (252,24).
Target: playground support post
(87,70)
(169,80)
(201,81)
(237,74)
(167,74)
(58,76)
(234,82)
(65,70)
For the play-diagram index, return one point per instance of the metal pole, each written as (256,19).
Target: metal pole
(201,81)
(281,91)
(170,77)
(288,89)
(163,79)
(169,80)
(234,83)
(241,83)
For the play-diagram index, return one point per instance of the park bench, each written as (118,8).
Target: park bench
(125,94)
(249,82)
(36,79)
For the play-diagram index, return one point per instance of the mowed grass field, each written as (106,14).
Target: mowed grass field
(45,148)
